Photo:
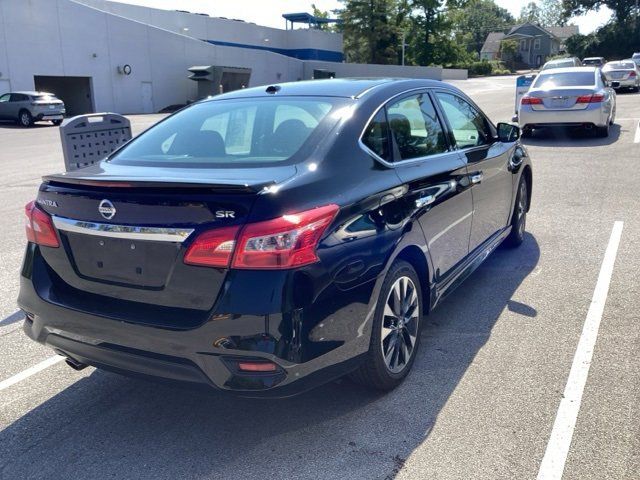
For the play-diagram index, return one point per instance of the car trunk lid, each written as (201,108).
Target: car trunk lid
(561,99)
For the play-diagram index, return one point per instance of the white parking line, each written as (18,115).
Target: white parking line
(29,372)
(637,137)
(555,455)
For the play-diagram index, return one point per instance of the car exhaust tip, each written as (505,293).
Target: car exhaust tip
(75,364)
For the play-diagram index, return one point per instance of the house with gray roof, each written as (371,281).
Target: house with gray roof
(535,43)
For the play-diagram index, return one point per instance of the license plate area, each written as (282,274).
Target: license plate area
(136,263)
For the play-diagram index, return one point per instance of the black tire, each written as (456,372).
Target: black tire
(527,132)
(519,218)
(25,119)
(56,122)
(375,372)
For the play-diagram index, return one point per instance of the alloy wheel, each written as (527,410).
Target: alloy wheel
(522,208)
(400,324)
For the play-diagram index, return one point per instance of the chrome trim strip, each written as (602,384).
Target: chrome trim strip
(129,232)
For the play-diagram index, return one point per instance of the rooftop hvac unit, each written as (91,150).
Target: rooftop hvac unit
(213,80)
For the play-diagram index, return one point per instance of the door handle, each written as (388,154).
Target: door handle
(476,178)
(424,201)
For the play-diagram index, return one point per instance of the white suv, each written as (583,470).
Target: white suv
(28,107)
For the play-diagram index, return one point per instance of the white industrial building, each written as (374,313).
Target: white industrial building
(99,55)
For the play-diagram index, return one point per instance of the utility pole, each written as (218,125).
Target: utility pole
(403,44)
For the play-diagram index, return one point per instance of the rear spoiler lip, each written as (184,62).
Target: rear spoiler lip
(60,180)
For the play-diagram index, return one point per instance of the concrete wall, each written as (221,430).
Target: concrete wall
(455,74)
(367,70)
(65,38)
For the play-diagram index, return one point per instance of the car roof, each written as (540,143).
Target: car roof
(570,70)
(594,58)
(31,92)
(336,87)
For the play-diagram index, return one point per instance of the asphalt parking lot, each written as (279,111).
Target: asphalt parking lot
(486,388)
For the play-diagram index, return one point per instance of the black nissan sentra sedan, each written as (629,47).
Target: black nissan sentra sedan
(275,238)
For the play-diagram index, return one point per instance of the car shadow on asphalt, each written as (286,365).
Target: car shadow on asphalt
(14,126)
(571,138)
(106,425)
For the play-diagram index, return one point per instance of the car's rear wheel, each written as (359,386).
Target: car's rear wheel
(25,119)
(519,218)
(56,122)
(395,334)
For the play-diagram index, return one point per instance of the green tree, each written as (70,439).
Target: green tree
(552,13)
(475,20)
(622,9)
(530,13)
(371,30)
(508,52)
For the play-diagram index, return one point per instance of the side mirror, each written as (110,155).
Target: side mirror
(615,84)
(508,133)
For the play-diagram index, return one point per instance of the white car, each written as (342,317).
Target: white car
(562,63)
(569,97)
(625,72)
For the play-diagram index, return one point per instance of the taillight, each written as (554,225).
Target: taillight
(284,242)
(595,98)
(213,248)
(531,101)
(632,75)
(39,227)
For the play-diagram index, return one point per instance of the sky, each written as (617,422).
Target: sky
(269,12)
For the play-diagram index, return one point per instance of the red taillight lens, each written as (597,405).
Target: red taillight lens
(213,248)
(257,366)
(39,227)
(531,101)
(285,242)
(632,75)
(595,98)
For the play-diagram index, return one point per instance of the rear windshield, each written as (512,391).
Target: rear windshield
(563,64)
(252,131)
(564,79)
(620,66)
(45,98)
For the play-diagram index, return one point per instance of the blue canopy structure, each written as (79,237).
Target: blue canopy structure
(311,20)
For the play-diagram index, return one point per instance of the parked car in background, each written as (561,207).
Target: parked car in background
(626,73)
(569,97)
(636,58)
(28,107)
(594,62)
(274,238)
(562,63)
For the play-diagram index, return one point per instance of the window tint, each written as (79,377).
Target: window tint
(415,127)
(376,136)
(565,79)
(469,126)
(5,97)
(229,132)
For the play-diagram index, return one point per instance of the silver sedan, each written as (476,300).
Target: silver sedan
(569,97)
(625,72)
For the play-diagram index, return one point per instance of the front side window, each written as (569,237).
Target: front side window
(415,127)
(5,97)
(376,136)
(469,127)
(256,131)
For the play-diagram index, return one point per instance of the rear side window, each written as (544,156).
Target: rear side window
(415,127)
(565,79)
(376,136)
(469,127)
(255,131)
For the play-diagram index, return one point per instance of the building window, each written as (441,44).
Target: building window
(523,45)
(536,44)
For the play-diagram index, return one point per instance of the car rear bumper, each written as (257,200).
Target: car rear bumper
(206,355)
(594,114)
(628,83)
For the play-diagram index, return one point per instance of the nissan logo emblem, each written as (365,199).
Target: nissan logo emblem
(106,209)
